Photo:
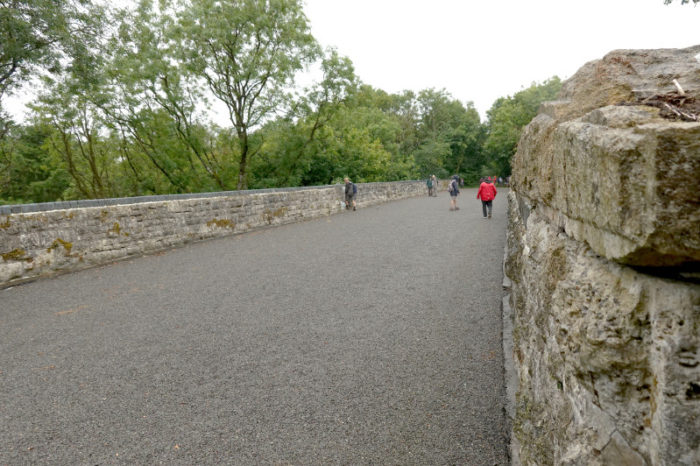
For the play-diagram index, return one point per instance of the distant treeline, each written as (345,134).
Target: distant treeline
(123,96)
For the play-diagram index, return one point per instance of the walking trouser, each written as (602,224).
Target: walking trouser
(485,204)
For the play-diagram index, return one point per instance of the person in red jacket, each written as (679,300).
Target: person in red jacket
(487,192)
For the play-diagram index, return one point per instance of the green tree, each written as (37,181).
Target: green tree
(506,119)
(360,138)
(76,140)
(450,135)
(248,52)
(58,42)
(430,157)
(466,145)
(68,103)
(39,35)
(395,122)
(404,108)
(298,145)
(439,113)
(28,172)
(157,107)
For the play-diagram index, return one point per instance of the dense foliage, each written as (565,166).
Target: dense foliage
(508,116)
(126,97)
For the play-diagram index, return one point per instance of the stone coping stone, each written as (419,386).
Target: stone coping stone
(62,205)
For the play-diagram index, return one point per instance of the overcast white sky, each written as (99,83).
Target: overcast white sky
(480,50)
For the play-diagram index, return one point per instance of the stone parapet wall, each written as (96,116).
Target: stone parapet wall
(607,356)
(603,270)
(42,243)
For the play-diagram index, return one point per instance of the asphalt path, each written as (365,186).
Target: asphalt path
(368,337)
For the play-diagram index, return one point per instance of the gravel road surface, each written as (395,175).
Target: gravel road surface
(368,337)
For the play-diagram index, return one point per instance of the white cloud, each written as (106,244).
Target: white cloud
(482,50)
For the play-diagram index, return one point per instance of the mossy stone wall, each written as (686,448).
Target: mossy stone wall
(63,238)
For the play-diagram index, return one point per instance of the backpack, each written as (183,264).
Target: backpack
(354,188)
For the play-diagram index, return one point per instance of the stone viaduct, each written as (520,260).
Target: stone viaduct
(601,270)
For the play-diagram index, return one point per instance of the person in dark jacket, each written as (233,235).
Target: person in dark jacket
(350,192)
(487,192)
(453,189)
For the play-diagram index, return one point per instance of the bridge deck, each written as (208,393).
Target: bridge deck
(370,337)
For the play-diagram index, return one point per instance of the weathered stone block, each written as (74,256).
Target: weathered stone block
(626,75)
(628,192)
(621,178)
(608,357)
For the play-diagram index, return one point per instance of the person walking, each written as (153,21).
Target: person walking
(350,192)
(435,185)
(487,192)
(453,189)
(430,186)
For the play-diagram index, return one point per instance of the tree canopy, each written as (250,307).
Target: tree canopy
(508,116)
(126,96)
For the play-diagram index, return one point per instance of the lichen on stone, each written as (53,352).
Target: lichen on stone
(67,246)
(269,215)
(221,223)
(16,255)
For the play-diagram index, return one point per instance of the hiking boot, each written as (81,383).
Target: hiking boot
(353,208)
(489,215)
